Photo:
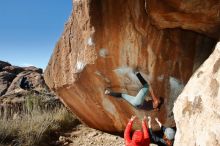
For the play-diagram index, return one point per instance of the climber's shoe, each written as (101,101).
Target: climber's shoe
(107,92)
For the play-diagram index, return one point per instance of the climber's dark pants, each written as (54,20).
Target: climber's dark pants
(139,98)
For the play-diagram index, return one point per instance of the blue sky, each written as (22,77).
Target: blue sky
(29,29)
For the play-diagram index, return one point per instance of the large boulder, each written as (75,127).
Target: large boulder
(103,42)
(196,110)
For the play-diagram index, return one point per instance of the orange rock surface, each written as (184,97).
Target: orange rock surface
(103,42)
(202,16)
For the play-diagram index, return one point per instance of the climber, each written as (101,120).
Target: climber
(139,138)
(139,99)
(168,134)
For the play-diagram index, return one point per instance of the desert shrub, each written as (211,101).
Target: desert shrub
(35,126)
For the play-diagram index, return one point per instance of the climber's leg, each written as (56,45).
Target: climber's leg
(141,79)
(115,94)
(137,100)
(140,97)
(156,100)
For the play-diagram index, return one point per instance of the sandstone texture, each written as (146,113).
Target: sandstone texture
(105,40)
(196,110)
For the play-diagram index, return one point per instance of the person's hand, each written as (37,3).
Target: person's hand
(157,120)
(144,119)
(133,118)
(149,121)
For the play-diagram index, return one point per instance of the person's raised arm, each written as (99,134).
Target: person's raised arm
(145,129)
(149,122)
(154,137)
(146,132)
(158,122)
(161,126)
(128,130)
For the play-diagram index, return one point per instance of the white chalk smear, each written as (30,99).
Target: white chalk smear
(89,41)
(103,52)
(79,66)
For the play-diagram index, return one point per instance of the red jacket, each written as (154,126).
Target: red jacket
(130,142)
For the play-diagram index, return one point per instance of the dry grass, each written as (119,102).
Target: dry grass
(35,127)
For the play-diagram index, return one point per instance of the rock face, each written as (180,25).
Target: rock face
(197,15)
(104,41)
(196,110)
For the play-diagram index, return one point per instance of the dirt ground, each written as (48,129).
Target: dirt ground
(85,136)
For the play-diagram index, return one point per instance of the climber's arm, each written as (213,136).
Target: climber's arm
(158,122)
(128,130)
(154,97)
(145,130)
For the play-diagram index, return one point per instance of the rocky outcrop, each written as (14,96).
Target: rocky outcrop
(13,69)
(15,79)
(22,89)
(34,81)
(196,110)
(4,64)
(33,69)
(104,41)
